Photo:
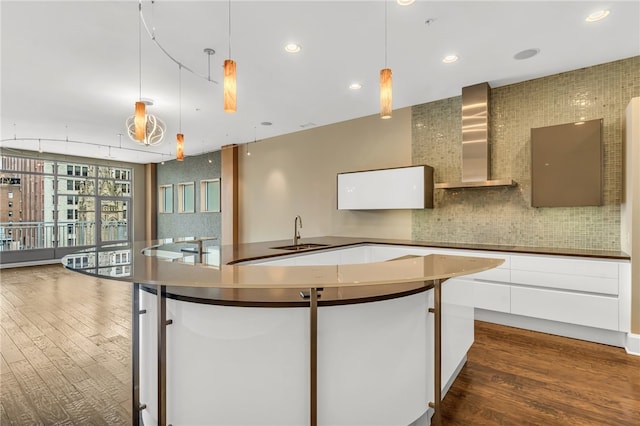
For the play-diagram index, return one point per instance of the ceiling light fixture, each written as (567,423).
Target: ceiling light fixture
(153,131)
(140,111)
(355,86)
(180,136)
(292,48)
(254,141)
(385,77)
(597,15)
(210,52)
(449,59)
(526,54)
(405,2)
(229,76)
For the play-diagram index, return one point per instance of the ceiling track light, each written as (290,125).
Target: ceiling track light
(229,77)
(386,104)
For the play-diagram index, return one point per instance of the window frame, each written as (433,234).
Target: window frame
(181,197)
(162,196)
(204,195)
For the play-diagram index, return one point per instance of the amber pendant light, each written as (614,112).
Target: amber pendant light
(180,147)
(140,120)
(229,76)
(229,85)
(386,104)
(180,136)
(385,93)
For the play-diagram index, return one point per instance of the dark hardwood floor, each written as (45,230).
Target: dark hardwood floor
(65,346)
(520,377)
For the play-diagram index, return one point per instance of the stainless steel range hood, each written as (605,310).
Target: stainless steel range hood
(476,154)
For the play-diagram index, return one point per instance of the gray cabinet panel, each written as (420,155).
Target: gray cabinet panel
(566,165)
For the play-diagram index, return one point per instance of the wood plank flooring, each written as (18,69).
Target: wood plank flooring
(65,359)
(520,377)
(65,348)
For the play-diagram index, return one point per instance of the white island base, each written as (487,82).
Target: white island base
(229,365)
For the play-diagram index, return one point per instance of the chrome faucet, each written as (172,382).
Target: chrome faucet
(296,231)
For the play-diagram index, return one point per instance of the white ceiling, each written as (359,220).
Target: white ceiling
(70,68)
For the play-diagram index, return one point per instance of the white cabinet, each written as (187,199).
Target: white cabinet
(584,275)
(457,326)
(572,290)
(492,296)
(570,307)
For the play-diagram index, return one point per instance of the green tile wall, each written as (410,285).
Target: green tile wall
(192,169)
(505,216)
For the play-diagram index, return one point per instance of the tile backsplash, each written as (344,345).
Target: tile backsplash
(504,215)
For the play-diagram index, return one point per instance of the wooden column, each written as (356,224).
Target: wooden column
(150,202)
(630,212)
(229,194)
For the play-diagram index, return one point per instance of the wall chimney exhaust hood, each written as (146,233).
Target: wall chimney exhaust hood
(476,155)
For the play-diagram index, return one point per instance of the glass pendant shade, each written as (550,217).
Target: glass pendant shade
(180,147)
(140,121)
(385,93)
(229,85)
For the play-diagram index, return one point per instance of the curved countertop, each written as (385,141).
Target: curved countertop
(216,277)
(189,269)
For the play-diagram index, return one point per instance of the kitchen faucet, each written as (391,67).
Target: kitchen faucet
(296,231)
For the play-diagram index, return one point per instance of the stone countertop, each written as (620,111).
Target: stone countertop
(264,250)
(215,268)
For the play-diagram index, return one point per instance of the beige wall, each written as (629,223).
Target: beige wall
(296,174)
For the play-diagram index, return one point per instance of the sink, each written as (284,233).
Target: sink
(300,246)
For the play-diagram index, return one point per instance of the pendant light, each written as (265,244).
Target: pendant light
(140,120)
(229,76)
(385,77)
(180,136)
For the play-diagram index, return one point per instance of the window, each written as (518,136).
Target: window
(186,198)
(165,199)
(10,203)
(10,213)
(123,188)
(69,214)
(210,195)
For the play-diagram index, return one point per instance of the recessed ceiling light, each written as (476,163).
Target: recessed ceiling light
(405,2)
(355,86)
(449,59)
(292,48)
(526,54)
(597,15)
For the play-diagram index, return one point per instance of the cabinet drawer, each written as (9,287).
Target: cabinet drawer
(495,274)
(588,284)
(494,297)
(565,265)
(582,309)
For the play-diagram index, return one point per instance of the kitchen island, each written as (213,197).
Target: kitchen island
(338,341)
